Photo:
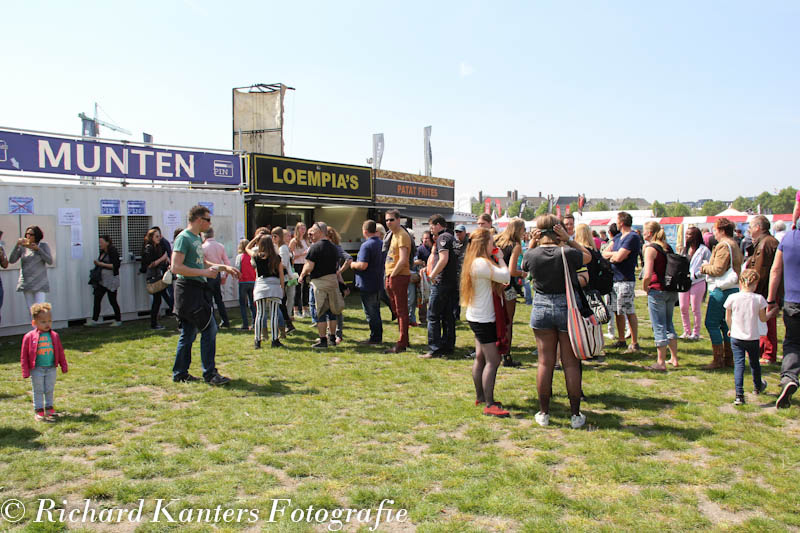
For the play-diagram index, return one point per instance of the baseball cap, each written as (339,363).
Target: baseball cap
(461,227)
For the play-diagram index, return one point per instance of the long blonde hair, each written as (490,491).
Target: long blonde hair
(478,240)
(513,234)
(657,234)
(583,236)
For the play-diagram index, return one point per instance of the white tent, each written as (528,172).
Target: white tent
(731,212)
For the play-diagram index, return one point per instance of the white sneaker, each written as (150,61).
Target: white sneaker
(577,421)
(92,323)
(543,419)
(610,336)
(116,323)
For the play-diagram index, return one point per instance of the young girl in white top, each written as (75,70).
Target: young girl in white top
(481,275)
(746,315)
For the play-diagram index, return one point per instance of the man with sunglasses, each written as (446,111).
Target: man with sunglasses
(193,299)
(398,274)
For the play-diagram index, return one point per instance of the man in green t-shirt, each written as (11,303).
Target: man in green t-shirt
(193,299)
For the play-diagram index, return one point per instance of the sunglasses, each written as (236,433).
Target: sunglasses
(390,220)
(206,219)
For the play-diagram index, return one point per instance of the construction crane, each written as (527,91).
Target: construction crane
(91,126)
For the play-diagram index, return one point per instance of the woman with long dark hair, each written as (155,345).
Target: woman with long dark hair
(481,276)
(154,263)
(691,301)
(108,262)
(268,290)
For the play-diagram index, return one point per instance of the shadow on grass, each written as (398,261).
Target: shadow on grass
(23,438)
(273,388)
(613,421)
(619,401)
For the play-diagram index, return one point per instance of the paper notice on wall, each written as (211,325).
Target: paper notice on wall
(172,221)
(240,230)
(76,241)
(69,216)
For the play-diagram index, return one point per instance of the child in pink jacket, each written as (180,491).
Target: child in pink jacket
(40,355)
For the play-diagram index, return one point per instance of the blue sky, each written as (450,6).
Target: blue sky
(661,100)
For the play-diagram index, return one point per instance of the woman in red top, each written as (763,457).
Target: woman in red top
(246,282)
(660,303)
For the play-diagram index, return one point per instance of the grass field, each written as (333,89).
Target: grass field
(350,427)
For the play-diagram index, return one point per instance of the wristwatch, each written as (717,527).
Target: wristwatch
(771,302)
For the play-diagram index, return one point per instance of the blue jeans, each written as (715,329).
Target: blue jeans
(215,284)
(371,304)
(739,348)
(1,294)
(715,316)
(412,302)
(208,350)
(661,305)
(43,380)
(549,312)
(246,300)
(441,323)
(312,304)
(526,290)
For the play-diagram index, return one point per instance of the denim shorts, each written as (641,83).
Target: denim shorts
(549,312)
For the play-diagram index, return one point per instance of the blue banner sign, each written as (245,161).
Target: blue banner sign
(81,157)
(209,205)
(110,207)
(137,207)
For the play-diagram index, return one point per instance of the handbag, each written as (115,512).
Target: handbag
(95,275)
(728,280)
(167,277)
(154,281)
(599,308)
(585,333)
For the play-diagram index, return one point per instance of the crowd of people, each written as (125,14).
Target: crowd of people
(486,272)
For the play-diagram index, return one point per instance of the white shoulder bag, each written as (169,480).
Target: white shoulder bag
(728,280)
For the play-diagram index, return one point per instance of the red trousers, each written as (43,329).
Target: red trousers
(397,290)
(769,344)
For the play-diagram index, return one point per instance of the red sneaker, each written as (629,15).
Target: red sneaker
(495,410)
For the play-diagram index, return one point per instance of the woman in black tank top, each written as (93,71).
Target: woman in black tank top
(510,244)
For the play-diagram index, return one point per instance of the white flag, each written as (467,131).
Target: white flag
(377,150)
(428,152)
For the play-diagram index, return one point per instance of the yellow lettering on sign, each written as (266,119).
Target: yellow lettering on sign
(289,176)
(326,178)
(340,182)
(314,178)
(354,182)
(275,177)
(301,177)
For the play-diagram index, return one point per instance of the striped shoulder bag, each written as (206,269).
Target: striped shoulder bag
(585,333)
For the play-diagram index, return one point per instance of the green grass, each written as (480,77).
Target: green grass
(351,427)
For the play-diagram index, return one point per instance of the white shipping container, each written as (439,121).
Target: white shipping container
(70,294)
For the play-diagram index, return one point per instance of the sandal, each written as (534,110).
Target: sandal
(654,367)
(619,344)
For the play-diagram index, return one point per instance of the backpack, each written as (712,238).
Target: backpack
(676,276)
(601,276)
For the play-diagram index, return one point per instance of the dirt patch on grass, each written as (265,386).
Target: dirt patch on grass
(287,482)
(717,515)
(149,391)
(415,450)
(643,382)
